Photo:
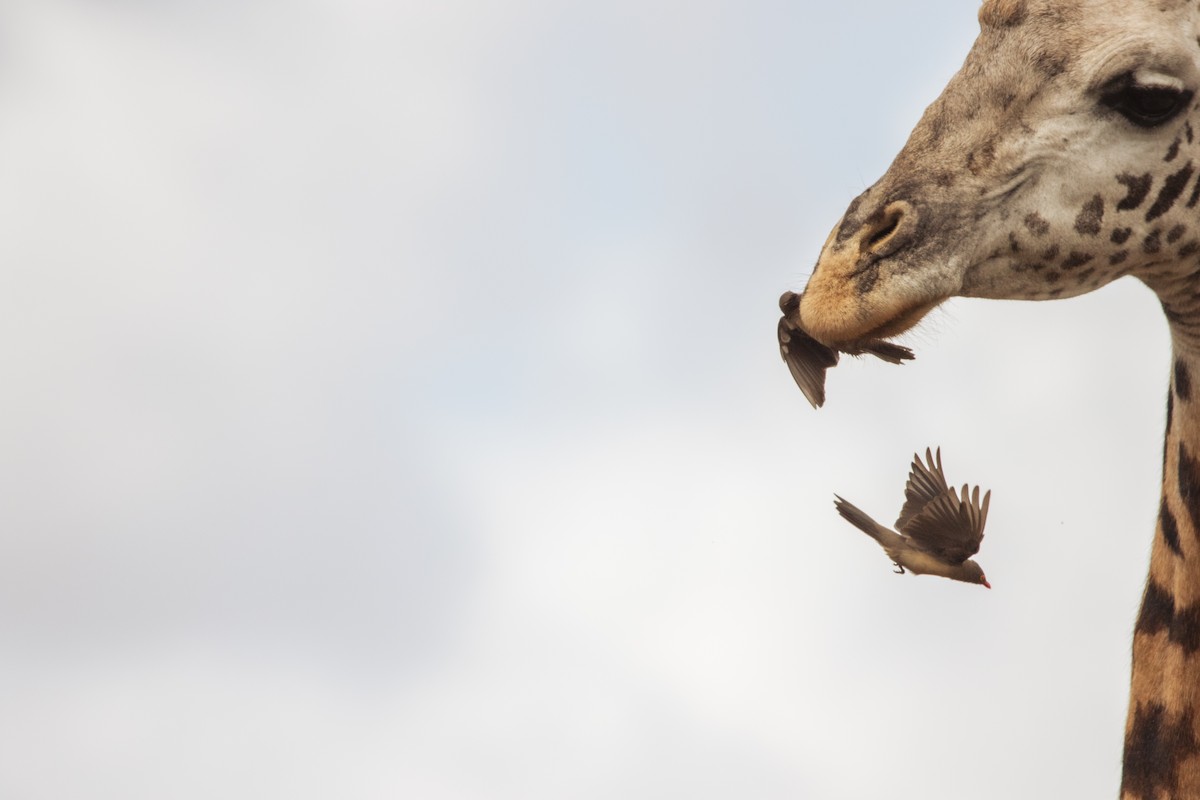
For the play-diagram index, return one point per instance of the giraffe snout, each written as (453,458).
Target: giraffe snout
(846,299)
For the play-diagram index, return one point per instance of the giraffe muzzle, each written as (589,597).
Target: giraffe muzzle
(850,296)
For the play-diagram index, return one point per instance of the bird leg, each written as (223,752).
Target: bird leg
(899,570)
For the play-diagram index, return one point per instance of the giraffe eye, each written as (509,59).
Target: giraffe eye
(1146,106)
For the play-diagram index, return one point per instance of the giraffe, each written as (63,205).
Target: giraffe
(1063,155)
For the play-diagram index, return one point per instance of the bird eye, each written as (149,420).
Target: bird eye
(1146,106)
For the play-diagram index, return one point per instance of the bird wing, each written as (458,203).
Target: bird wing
(950,526)
(807,359)
(924,484)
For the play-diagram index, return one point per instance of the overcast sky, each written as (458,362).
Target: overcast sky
(391,408)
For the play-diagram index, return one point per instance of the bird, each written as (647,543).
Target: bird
(808,359)
(938,530)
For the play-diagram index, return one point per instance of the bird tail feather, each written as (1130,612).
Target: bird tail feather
(859,519)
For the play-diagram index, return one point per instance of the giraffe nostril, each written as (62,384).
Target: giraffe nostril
(890,223)
(888,229)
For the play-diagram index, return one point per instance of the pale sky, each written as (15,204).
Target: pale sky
(392,409)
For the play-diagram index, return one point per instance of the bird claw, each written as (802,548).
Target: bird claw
(899,570)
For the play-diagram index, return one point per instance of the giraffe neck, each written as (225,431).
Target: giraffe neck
(1162,731)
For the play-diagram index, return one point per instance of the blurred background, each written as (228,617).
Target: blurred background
(392,408)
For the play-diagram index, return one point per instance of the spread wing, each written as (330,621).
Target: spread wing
(925,482)
(806,358)
(951,525)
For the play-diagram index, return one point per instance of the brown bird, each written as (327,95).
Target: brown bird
(807,359)
(939,529)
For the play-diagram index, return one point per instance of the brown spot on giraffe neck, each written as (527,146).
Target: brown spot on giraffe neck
(1157,611)
(1170,528)
(1157,744)
(1183,380)
(1188,477)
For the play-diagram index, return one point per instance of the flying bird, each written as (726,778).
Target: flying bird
(808,359)
(939,528)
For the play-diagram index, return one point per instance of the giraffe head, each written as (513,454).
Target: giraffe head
(1063,155)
